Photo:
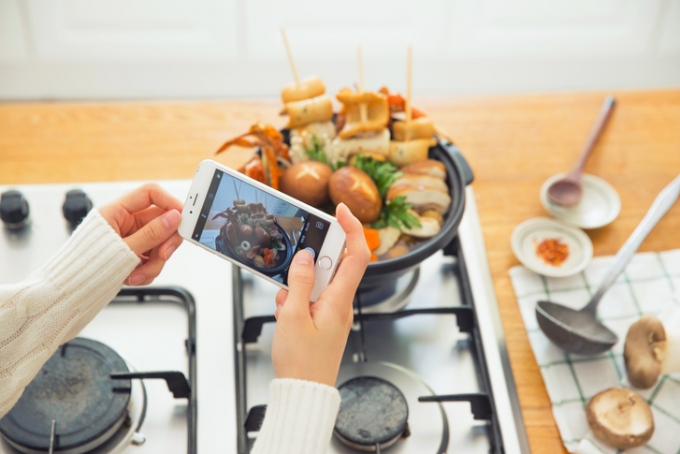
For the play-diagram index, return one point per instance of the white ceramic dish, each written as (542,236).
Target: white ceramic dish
(529,234)
(599,205)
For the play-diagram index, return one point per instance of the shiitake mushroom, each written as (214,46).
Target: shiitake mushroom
(357,190)
(262,237)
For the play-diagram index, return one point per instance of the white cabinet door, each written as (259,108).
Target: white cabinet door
(218,48)
(12,41)
(123,30)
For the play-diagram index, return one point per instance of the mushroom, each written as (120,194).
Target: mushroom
(428,167)
(388,238)
(428,227)
(423,199)
(650,351)
(620,418)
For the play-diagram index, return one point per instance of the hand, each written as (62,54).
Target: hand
(309,338)
(147,220)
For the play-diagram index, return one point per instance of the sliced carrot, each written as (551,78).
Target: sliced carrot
(268,256)
(374,258)
(372,238)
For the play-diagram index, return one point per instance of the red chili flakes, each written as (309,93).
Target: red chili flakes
(552,251)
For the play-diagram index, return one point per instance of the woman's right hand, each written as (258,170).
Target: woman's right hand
(309,339)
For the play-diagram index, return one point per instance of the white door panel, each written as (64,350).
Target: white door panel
(133,29)
(328,31)
(669,43)
(79,49)
(12,43)
(529,28)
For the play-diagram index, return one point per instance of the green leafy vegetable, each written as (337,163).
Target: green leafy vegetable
(395,213)
(382,173)
(316,153)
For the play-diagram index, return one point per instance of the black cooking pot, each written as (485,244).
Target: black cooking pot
(458,175)
(223,246)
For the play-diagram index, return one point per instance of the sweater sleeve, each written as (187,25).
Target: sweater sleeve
(299,419)
(54,303)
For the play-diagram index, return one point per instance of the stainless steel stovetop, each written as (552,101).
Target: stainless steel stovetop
(423,354)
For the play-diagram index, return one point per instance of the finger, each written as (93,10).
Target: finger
(146,273)
(148,195)
(353,265)
(281,296)
(166,249)
(145,216)
(300,282)
(154,233)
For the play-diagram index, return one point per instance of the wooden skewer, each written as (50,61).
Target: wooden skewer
(362,107)
(290,56)
(409,114)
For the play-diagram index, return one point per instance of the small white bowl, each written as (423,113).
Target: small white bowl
(599,205)
(531,233)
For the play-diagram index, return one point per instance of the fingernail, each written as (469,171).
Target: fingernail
(304,257)
(171,219)
(169,251)
(136,279)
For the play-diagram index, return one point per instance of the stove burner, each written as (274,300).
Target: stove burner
(373,414)
(74,390)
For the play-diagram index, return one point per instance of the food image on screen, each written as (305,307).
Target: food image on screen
(255,228)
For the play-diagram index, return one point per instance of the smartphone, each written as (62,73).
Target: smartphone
(258,228)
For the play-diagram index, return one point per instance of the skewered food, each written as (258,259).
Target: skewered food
(306,111)
(377,143)
(307,181)
(419,128)
(397,104)
(373,156)
(377,113)
(357,190)
(404,153)
(305,89)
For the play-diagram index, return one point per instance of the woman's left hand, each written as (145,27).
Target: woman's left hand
(147,220)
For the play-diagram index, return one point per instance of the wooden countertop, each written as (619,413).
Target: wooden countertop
(513,144)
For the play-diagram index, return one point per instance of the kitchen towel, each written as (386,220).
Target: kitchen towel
(649,285)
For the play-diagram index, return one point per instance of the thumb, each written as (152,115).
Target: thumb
(154,233)
(300,281)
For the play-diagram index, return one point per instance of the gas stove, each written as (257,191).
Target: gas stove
(433,342)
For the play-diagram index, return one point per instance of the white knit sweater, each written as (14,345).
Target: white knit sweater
(54,303)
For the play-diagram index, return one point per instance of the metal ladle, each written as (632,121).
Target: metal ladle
(580,331)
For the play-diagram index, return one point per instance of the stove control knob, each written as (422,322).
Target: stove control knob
(76,206)
(13,209)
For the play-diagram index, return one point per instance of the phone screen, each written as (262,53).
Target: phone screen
(256,228)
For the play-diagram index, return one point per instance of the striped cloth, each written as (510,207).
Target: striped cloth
(649,285)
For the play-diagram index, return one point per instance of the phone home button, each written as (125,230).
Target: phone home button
(325,263)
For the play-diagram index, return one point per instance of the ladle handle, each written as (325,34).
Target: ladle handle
(595,133)
(663,202)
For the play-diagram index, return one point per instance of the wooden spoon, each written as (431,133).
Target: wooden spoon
(568,190)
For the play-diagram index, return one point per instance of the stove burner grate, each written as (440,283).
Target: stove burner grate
(373,414)
(72,403)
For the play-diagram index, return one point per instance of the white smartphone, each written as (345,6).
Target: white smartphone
(258,228)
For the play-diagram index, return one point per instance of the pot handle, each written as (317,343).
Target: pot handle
(451,149)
